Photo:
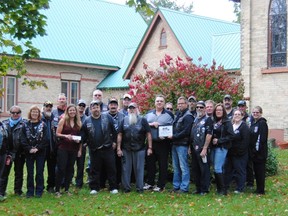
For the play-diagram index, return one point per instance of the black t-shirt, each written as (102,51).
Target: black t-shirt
(97,130)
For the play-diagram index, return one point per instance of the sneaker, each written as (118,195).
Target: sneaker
(93,192)
(147,187)
(2,198)
(58,194)
(68,193)
(158,189)
(115,191)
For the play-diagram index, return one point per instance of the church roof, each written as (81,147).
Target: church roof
(197,37)
(89,32)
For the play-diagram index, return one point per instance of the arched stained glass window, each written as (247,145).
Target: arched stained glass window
(163,38)
(277,55)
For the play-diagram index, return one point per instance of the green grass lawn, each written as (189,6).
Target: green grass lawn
(151,203)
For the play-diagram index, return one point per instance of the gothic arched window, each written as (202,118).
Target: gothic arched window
(163,38)
(277,54)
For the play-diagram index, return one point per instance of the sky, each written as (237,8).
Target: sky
(219,9)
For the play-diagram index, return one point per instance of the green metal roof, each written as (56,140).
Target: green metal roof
(89,31)
(195,34)
(226,50)
(115,79)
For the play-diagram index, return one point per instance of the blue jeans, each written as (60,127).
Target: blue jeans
(39,159)
(181,177)
(218,157)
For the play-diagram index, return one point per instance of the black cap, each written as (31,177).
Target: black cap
(201,103)
(113,100)
(241,103)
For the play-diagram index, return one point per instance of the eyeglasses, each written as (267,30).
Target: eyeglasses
(15,113)
(169,109)
(199,107)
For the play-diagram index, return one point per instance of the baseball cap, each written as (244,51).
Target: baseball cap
(48,103)
(81,101)
(201,103)
(113,100)
(227,96)
(97,102)
(134,105)
(192,98)
(127,96)
(241,103)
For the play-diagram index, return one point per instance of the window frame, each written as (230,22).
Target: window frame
(69,94)
(163,39)
(271,36)
(4,101)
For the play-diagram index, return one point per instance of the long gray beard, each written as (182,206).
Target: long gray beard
(48,114)
(132,118)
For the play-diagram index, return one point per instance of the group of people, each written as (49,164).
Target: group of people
(122,143)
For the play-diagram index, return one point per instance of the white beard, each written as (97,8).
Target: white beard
(198,113)
(48,114)
(132,118)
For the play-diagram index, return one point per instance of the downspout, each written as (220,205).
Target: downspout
(250,55)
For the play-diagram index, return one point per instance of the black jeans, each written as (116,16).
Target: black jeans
(259,169)
(80,162)
(65,168)
(19,162)
(51,160)
(235,166)
(201,171)
(160,154)
(39,159)
(249,173)
(97,159)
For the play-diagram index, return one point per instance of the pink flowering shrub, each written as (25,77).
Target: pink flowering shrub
(184,78)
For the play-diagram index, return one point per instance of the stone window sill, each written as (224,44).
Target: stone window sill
(274,70)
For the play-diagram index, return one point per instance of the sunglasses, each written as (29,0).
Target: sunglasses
(15,113)
(82,105)
(199,107)
(169,108)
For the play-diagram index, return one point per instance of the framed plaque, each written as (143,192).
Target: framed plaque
(165,130)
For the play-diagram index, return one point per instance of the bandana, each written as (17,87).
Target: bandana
(13,122)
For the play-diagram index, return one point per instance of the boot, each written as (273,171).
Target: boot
(221,189)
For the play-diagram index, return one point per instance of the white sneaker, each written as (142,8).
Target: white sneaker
(93,192)
(157,189)
(115,191)
(147,187)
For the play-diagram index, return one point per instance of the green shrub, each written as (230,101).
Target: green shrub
(272,161)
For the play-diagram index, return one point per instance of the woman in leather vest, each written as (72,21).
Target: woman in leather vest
(34,141)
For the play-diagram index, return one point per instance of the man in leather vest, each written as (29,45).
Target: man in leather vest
(117,118)
(51,154)
(99,133)
(14,150)
(132,133)
(201,134)
(180,146)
